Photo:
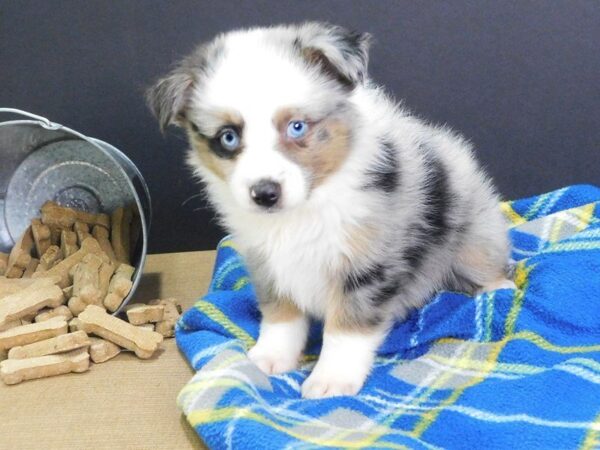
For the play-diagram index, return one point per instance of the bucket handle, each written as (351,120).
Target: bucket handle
(43,121)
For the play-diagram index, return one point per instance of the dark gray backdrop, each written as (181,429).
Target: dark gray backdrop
(521,79)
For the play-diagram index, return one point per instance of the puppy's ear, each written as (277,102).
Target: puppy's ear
(342,54)
(169,96)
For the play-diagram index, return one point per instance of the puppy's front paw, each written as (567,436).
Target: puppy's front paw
(344,364)
(279,345)
(323,385)
(272,360)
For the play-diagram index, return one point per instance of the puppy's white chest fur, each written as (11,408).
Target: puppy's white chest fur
(300,273)
(300,252)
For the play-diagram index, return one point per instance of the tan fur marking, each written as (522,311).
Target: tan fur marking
(480,264)
(359,239)
(322,151)
(219,166)
(230,117)
(338,318)
(283,116)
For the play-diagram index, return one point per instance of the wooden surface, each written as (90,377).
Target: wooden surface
(125,403)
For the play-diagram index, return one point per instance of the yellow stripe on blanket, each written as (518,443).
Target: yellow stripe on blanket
(217,316)
(511,214)
(522,281)
(592,439)
(199,417)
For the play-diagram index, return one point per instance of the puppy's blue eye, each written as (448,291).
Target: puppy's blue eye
(230,139)
(297,129)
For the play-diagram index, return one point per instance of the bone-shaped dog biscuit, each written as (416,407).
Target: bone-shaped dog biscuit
(86,283)
(64,218)
(41,236)
(143,342)
(119,287)
(120,234)
(139,314)
(82,230)
(20,255)
(61,311)
(102,236)
(171,315)
(86,279)
(90,245)
(9,286)
(13,371)
(102,350)
(58,344)
(27,334)
(31,268)
(29,301)
(76,305)
(107,270)
(50,258)
(68,243)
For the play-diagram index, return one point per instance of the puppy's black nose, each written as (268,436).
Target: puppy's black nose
(265,193)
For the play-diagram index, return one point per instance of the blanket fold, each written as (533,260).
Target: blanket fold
(510,368)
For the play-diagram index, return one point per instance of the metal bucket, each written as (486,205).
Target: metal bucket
(41,160)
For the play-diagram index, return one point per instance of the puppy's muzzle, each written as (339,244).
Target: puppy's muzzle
(266,193)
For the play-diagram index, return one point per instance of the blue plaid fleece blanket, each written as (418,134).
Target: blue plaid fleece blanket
(507,369)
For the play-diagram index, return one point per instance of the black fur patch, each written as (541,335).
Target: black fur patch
(386,292)
(374,320)
(350,63)
(351,45)
(439,199)
(413,255)
(385,178)
(316,56)
(366,277)
(434,226)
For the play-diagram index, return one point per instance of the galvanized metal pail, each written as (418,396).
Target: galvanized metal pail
(41,160)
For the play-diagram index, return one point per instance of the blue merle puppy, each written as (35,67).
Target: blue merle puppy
(345,206)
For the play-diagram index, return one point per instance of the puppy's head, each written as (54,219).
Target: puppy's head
(267,110)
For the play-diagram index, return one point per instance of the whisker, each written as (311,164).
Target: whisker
(200,194)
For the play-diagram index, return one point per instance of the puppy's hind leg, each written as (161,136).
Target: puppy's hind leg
(500,283)
(283,333)
(479,269)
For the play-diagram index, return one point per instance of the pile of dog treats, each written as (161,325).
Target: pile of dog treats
(60,282)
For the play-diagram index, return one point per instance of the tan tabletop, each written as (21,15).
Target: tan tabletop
(125,403)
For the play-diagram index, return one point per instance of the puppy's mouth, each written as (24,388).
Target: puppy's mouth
(271,210)
(266,209)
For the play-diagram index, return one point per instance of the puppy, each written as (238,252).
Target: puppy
(345,206)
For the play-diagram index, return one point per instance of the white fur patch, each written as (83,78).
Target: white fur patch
(343,366)
(279,346)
